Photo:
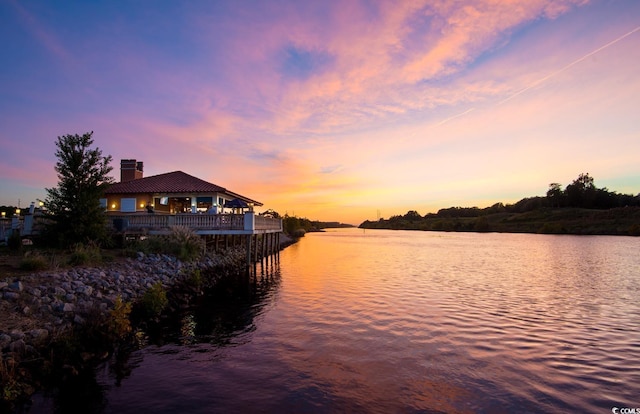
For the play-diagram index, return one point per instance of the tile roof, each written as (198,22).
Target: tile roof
(172,182)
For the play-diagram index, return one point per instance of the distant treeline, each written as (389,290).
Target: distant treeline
(580,208)
(298,226)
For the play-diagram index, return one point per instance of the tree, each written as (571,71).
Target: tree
(581,192)
(74,205)
(412,215)
(555,195)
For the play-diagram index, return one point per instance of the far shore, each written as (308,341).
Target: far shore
(623,221)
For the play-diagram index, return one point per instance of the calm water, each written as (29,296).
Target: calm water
(403,322)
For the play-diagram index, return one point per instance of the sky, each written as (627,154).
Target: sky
(342,110)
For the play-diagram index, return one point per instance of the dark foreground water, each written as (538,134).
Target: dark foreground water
(403,322)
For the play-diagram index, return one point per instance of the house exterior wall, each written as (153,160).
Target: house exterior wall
(114,202)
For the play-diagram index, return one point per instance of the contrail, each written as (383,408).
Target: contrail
(444,121)
(575,62)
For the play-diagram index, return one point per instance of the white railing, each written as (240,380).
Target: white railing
(268,223)
(195,221)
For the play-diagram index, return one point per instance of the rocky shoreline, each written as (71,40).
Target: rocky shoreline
(41,305)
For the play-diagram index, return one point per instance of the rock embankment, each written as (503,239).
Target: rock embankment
(38,306)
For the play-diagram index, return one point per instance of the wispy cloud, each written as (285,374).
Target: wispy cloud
(44,35)
(570,65)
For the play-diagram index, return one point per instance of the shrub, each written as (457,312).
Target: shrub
(34,262)
(195,279)
(297,233)
(119,322)
(154,300)
(184,243)
(10,386)
(85,254)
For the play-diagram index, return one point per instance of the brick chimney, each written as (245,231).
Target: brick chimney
(130,170)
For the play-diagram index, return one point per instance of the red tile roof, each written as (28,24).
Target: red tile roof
(172,182)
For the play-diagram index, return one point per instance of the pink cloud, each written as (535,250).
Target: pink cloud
(375,54)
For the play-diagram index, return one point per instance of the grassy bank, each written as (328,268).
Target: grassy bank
(618,221)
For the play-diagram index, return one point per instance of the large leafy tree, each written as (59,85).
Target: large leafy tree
(74,205)
(581,192)
(555,195)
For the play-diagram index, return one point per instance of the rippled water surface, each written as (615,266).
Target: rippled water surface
(384,321)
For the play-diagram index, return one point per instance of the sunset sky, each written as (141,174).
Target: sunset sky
(331,110)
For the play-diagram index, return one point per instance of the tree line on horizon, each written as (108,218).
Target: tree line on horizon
(297,226)
(580,194)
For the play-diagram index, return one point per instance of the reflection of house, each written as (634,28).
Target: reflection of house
(169,193)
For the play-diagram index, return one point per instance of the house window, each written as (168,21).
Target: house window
(128,205)
(204,203)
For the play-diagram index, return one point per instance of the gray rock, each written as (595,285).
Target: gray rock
(3,285)
(18,346)
(85,290)
(16,334)
(30,350)
(57,305)
(16,286)
(11,295)
(38,334)
(85,305)
(68,307)
(5,340)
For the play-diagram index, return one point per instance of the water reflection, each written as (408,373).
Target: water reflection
(388,321)
(223,314)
